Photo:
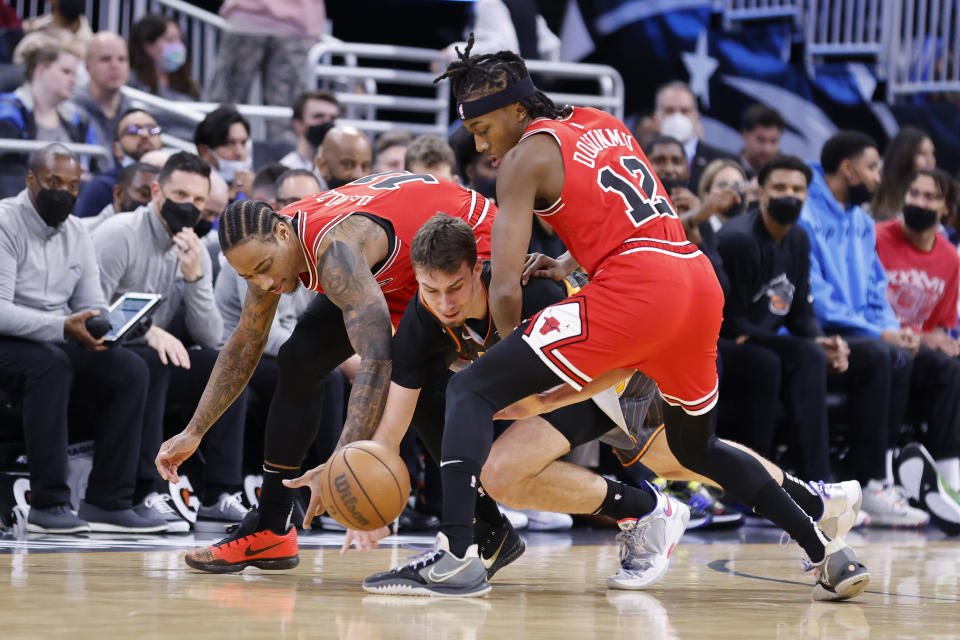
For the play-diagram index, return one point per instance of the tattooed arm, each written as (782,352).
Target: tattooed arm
(235,365)
(346,279)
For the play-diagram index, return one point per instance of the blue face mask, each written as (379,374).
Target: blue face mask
(173,56)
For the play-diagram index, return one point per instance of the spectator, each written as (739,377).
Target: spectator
(767,259)
(158,59)
(646,128)
(760,128)
(222,141)
(265,183)
(391,150)
(48,289)
(677,115)
(314,112)
(475,169)
(131,191)
(509,25)
(65,26)
(720,175)
(156,250)
(108,65)
(924,273)
(908,151)
(137,133)
(344,156)
(40,110)
(849,298)
(294,185)
(433,156)
(269,40)
(217,201)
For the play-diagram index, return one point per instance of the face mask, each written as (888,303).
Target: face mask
(336,183)
(671,184)
(785,210)
(858,194)
(736,209)
(71,9)
(54,205)
(173,56)
(918,218)
(230,168)
(316,133)
(676,125)
(487,187)
(178,215)
(202,227)
(131,205)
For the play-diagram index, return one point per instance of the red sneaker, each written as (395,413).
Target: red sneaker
(246,546)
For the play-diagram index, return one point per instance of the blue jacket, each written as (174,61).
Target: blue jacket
(16,118)
(847,281)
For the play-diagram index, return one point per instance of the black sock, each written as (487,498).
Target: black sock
(212,492)
(805,497)
(487,509)
(276,500)
(774,504)
(623,501)
(459,477)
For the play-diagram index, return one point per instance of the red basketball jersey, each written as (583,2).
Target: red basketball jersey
(403,200)
(611,197)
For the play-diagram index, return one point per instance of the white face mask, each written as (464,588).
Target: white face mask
(676,125)
(230,168)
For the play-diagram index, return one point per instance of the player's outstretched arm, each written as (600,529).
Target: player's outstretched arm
(523,172)
(397,414)
(235,365)
(346,279)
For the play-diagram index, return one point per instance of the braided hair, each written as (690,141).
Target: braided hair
(472,77)
(245,220)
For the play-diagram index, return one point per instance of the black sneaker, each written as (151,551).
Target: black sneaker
(412,520)
(926,488)
(498,545)
(434,573)
(55,519)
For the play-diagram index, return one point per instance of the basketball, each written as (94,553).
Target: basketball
(364,485)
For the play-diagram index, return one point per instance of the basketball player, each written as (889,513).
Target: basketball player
(351,245)
(653,304)
(449,322)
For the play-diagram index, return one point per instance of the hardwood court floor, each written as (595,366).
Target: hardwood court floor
(720,590)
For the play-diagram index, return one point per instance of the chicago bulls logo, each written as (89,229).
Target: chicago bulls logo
(549,324)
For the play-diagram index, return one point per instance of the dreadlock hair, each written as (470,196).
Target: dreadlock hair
(476,76)
(245,220)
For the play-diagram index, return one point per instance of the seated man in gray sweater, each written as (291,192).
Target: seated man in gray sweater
(49,287)
(156,250)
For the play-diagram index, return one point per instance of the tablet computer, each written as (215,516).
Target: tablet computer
(127,312)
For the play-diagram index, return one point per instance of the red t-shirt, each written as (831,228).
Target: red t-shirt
(922,285)
(611,197)
(403,202)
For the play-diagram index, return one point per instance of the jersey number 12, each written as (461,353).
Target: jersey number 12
(638,190)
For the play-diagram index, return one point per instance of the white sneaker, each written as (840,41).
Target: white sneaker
(518,519)
(841,505)
(157,505)
(184,501)
(547,520)
(888,507)
(647,543)
(229,509)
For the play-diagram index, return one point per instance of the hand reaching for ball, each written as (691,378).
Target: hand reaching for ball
(364,540)
(310,479)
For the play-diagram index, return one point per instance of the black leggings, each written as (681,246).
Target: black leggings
(319,344)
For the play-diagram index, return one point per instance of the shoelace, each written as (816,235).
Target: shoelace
(419,560)
(232,501)
(159,504)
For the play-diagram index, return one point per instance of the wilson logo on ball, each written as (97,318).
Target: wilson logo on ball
(347,500)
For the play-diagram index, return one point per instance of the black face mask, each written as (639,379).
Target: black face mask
(487,187)
(131,205)
(673,183)
(736,208)
(335,182)
(202,227)
(54,205)
(858,194)
(785,210)
(317,132)
(71,9)
(918,218)
(178,215)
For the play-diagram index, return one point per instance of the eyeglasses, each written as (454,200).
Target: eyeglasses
(135,130)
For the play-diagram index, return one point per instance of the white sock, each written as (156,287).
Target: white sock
(950,469)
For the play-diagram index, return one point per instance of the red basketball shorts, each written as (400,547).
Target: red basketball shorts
(659,313)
